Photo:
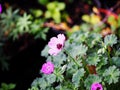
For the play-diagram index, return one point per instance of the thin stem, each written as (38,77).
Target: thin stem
(108,53)
(82,86)
(85,66)
(72,58)
(59,76)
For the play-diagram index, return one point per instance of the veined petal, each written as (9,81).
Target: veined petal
(61,36)
(56,44)
(53,42)
(53,52)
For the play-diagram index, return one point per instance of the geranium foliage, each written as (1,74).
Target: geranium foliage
(86,58)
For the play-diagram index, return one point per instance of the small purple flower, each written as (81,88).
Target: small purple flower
(96,86)
(0,8)
(56,44)
(47,68)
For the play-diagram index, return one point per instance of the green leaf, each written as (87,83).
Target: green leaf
(51,5)
(11,86)
(116,61)
(65,86)
(111,75)
(41,33)
(35,27)
(58,72)
(40,83)
(8,17)
(33,88)
(110,40)
(43,2)
(86,18)
(53,11)
(50,78)
(23,23)
(61,6)
(93,59)
(101,51)
(49,88)
(77,77)
(48,14)
(38,30)
(78,50)
(5,86)
(79,37)
(14,34)
(117,53)
(93,39)
(56,16)
(8,21)
(44,52)
(71,68)
(103,61)
(62,57)
(56,5)
(37,12)
(85,27)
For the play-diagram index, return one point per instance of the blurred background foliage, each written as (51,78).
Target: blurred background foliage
(5,86)
(24,23)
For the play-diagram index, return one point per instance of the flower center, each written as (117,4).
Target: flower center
(59,46)
(98,88)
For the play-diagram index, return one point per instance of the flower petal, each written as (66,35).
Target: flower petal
(47,68)
(61,38)
(52,43)
(56,44)
(96,85)
(53,52)
(0,8)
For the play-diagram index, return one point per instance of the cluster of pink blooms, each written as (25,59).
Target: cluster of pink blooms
(0,8)
(96,86)
(56,44)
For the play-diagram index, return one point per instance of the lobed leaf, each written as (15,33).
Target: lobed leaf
(110,40)
(111,75)
(77,76)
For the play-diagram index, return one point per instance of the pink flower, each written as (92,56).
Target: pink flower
(96,86)
(0,8)
(47,68)
(56,44)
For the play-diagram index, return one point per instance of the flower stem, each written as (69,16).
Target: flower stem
(109,58)
(59,76)
(82,84)
(108,53)
(72,58)
(85,66)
